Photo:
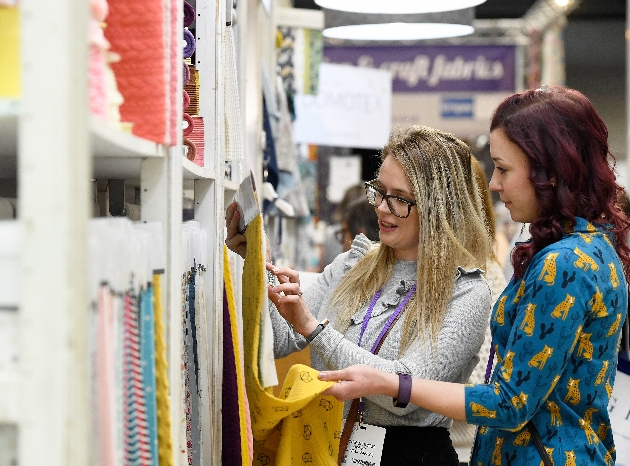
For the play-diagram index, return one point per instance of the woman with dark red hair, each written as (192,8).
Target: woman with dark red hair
(556,327)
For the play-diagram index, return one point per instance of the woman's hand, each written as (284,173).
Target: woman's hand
(287,297)
(360,380)
(234,240)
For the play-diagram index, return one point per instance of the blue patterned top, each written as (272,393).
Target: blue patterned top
(556,332)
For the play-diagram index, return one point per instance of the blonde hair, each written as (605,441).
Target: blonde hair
(452,233)
(486,200)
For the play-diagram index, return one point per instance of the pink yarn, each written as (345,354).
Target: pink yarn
(190,125)
(186,99)
(173,120)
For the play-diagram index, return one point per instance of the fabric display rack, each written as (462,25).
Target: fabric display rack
(114,349)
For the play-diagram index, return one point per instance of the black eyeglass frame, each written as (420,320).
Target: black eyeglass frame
(386,197)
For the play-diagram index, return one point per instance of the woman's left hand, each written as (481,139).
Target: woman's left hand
(287,297)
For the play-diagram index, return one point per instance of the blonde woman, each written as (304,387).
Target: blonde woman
(420,292)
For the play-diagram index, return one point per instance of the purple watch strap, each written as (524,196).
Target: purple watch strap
(404,391)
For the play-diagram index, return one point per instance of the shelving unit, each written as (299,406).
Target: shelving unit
(53,147)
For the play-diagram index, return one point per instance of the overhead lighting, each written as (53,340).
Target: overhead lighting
(398,31)
(397,27)
(397,6)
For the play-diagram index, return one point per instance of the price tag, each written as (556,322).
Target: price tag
(365,445)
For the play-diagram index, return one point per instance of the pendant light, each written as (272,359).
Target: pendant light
(397,27)
(397,6)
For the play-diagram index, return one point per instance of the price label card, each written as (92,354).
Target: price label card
(365,446)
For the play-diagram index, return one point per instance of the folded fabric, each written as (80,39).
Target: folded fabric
(302,425)
(189,124)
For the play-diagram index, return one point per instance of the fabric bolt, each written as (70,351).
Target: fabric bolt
(119,376)
(137,449)
(191,149)
(189,14)
(548,327)
(147,362)
(270,163)
(236,379)
(302,425)
(193,364)
(197,137)
(188,124)
(234,149)
(105,368)
(458,341)
(141,71)
(165,442)
(187,372)
(189,48)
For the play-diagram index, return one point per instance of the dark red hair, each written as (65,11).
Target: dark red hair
(566,142)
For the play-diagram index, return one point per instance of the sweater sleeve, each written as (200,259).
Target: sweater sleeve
(452,359)
(286,339)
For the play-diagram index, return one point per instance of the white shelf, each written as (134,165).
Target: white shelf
(192,171)
(116,154)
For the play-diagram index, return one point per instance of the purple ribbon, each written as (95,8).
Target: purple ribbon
(189,14)
(189,49)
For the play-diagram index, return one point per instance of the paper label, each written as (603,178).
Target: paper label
(365,446)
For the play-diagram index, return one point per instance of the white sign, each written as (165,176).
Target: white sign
(353,108)
(365,446)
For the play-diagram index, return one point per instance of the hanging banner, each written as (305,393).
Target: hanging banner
(444,68)
(353,108)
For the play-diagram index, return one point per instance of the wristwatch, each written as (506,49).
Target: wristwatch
(404,391)
(317,330)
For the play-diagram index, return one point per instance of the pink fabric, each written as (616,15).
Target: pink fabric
(105,377)
(197,136)
(136,32)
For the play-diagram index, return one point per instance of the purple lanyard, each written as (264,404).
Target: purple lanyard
(391,319)
(489,365)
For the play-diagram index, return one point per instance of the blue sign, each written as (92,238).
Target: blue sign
(457,107)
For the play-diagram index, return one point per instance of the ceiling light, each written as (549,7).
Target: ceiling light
(387,27)
(397,6)
(398,31)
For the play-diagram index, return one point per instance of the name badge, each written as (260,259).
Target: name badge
(365,446)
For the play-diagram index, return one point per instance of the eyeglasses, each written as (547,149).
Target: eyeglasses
(399,206)
(340,233)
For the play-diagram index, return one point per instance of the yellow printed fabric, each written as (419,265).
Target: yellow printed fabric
(9,52)
(302,425)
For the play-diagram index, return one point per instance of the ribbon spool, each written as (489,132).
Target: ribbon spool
(191,125)
(189,14)
(186,99)
(186,76)
(189,48)
(191,153)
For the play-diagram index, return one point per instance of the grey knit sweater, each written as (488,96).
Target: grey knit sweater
(458,342)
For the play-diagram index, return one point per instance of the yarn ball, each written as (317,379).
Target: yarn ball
(186,74)
(191,153)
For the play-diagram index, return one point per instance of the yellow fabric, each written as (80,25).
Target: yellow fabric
(246,454)
(165,444)
(302,425)
(9,52)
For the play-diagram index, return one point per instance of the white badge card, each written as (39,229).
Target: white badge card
(365,445)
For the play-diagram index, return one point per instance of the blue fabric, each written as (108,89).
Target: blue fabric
(147,362)
(556,333)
